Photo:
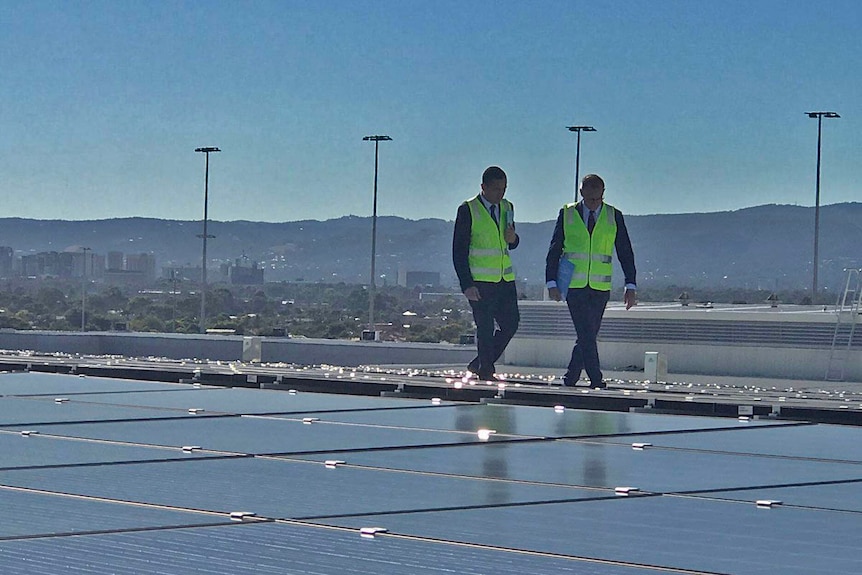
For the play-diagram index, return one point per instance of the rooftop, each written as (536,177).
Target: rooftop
(105,475)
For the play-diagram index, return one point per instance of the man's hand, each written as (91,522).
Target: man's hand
(509,234)
(631,298)
(554,294)
(472,293)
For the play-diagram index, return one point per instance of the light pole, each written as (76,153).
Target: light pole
(372,286)
(579,129)
(173,300)
(819,116)
(84,289)
(204,236)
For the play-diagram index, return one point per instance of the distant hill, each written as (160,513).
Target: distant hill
(767,247)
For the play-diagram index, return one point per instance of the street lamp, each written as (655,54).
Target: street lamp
(579,129)
(371,288)
(84,288)
(204,236)
(819,116)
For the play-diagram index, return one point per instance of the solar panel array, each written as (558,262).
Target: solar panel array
(116,476)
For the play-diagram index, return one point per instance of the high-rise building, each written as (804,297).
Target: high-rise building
(115,261)
(418,278)
(240,274)
(7,262)
(142,263)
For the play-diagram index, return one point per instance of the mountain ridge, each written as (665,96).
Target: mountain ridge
(768,246)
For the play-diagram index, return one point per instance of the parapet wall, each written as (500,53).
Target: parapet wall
(756,341)
(236,348)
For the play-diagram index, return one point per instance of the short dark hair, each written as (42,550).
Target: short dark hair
(492,174)
(593,181)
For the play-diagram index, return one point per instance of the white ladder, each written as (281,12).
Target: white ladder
(846,317)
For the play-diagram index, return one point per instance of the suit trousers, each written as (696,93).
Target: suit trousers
(586,306)
(498,303)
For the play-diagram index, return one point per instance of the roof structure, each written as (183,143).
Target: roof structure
(103,475)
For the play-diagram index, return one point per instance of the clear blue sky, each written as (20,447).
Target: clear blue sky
(699,105)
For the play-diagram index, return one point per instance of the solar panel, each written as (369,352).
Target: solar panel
(265,549)
(544,491)
(679,533)
(27,514)
(245,401)
(33,411)
(36,450)
(540,421)
(835,442)
(827,495)
(603,465)
(258,435)
(284,489)
(35,383)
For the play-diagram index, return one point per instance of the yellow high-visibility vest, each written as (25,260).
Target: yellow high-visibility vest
(590,254)
(489,252)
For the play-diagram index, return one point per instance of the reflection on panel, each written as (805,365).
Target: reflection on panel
(603,465)
(260,435)
(539,421)
(283,489)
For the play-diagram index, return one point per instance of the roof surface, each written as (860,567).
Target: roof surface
(104,475)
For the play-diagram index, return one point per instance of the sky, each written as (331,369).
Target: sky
(698,106)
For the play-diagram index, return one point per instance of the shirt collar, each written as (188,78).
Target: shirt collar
(586,210)
(485,202)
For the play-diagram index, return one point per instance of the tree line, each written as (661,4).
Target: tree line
(315,310)
(335,311)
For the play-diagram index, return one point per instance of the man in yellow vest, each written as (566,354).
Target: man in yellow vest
(484,234)
(578,269)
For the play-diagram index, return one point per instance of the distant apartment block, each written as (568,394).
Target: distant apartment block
(418,278)
(143,263)
(238,273)
(115,260)
(135,269)
(182,273)
(7,262)
(72,263)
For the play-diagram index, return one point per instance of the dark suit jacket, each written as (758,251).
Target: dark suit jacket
(461,246)
(622,245)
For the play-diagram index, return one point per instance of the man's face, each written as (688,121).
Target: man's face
(494,190)
(592,196)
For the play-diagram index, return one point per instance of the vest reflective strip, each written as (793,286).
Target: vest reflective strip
(487,252)
(489,271)
(572,256)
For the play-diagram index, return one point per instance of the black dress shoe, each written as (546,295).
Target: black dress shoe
(599,385)
(473,366)
(489,377)
(569,383)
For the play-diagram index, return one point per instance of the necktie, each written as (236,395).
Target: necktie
(493,211)
(591,221)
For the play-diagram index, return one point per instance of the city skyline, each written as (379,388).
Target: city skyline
(697,107)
